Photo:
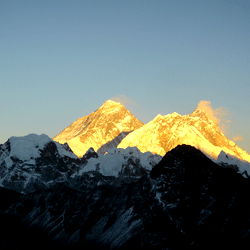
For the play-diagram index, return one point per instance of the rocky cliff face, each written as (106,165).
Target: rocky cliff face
(166,132)
(103,129)
(186,202)
(35,162)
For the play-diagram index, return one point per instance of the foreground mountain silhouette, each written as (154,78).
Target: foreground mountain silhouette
(102,129)
(112,125)
(186,202)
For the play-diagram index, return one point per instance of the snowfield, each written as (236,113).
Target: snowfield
(111,163)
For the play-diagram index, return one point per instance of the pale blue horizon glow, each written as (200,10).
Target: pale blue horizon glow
(61,60)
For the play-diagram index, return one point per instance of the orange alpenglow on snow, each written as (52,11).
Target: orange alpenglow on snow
(102,129)
(112,125)
(164,133)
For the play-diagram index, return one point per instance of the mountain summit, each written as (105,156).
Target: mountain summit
(102,129)
(112,125)
(164,133)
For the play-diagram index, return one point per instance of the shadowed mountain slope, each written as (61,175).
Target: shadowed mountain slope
(187,202)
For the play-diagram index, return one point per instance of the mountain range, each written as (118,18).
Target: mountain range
(112,125)
(185,202)
(37,162)
(108,181)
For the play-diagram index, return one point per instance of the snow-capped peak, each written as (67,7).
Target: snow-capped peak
(198,129)
(175,114)
(111,102)
(102,129)
(33,161)
(232,160)
(27,147)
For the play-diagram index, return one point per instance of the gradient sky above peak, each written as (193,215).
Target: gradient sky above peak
(61,60)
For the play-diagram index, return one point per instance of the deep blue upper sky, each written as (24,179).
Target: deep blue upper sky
(61,60)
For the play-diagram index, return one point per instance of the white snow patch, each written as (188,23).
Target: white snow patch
(111,163)
(244,166)
(8,162)
(63,152)
(91,166)
(26,147)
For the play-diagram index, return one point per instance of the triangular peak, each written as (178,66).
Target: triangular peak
(161,117)
(198,112)
(111,103)
(205,116)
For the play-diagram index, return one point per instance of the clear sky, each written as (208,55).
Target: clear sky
(61,60)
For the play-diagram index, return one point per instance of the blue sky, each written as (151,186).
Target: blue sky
(61,60)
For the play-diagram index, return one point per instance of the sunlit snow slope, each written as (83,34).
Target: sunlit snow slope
(102,129)
(164,133)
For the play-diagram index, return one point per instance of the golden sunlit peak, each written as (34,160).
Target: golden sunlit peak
(111,103)
(203,115)
(174,114)
(158,116)
(199,112)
